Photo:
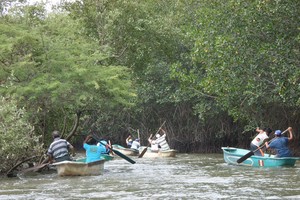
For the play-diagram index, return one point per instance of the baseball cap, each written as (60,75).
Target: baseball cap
(278,132)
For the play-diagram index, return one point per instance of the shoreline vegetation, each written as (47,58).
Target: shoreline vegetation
(213,70)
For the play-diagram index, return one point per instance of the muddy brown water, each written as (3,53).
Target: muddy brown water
(187,176)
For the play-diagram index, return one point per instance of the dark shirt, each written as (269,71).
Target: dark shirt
(281,147)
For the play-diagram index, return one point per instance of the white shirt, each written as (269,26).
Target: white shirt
(259,139)
(135,145)
(154,146)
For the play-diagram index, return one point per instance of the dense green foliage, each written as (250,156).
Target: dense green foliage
(248,55)
(17,136)
(55,71)
(213,69)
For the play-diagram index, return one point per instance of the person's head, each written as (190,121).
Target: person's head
(56,134)
(157,135)
(278,133)
(104,142)
(268,130)
(137,139)
(92,141)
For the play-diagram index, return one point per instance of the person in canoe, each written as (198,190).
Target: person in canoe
(261,137)
(93,152)
(280,143)
(161,140)
(59,149)
(107,145)
(129,140)
(154,145)
(136,144)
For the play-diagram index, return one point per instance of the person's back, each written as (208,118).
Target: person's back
(93,151)
(262,135)
(135,144)
(154,145)
(162,142)
(58,149)
(280,144)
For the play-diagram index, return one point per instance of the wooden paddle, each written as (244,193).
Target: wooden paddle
(116,151)
(145,149)
(251,153)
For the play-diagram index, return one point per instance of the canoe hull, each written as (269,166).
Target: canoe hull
(126,151)
(151,154)
(231,155)
(105,157)
(73,168)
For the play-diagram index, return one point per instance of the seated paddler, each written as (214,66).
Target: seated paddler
(93,151)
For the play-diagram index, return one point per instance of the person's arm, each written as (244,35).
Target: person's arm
(127,139)
(150,138)
(164,133)
(259,130)
(47,160)
(291,133)
(266,140)
(87,139)
(109,144)
(72,149)
(267,145)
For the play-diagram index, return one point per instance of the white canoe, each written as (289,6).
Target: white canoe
(151,154)
(73,168)
(126,151)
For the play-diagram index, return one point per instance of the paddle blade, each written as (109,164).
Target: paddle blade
(143,152)
(243,158)
(123,156)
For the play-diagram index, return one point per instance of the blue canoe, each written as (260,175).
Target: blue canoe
(231,155)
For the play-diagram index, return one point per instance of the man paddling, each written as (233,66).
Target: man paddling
(93,151)
(161,140)
(154,145)
(280,144)
(59,149)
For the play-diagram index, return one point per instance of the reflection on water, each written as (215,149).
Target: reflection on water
(188,176)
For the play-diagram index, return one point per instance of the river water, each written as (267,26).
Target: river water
(187,176)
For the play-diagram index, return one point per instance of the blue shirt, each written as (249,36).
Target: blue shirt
(93,152)
(281,146)
(102,143)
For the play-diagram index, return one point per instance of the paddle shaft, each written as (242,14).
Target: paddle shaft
(251,153)
(145,149)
